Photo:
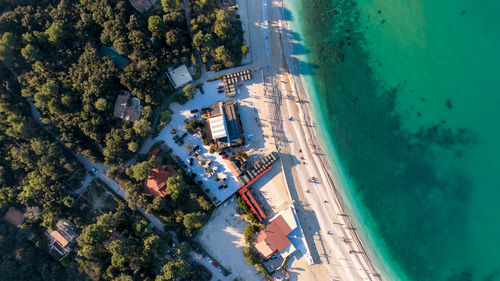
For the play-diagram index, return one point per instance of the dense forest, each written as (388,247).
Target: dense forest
(54,48)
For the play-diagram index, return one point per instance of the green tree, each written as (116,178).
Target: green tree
(155,24)
(133,146)
(55,33)
(142,127)
(8,46)
(189,90)
(175,186)
(101,104)
(174,270)
(169,4)
(193,220)
(139,171)
(244,50)
(223,55)
(30,53)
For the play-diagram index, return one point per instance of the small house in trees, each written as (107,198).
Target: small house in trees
(62,239)
(142,5)
(179,76)
(127,107)
(157,180)
(14,217)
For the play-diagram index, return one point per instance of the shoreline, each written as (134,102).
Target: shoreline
(316,139)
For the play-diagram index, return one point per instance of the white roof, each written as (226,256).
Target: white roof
(217,127)
(289,218)
(180,76)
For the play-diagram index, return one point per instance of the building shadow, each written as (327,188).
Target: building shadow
(307,218)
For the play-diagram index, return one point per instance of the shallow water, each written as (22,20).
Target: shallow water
(408,94)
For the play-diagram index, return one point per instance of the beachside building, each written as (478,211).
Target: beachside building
(157,180)
(62,239)
(142,5)
(179,76)
(14,217)
(127,108)
(277,237)
(223,125)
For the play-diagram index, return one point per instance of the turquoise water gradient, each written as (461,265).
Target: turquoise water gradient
(407,93)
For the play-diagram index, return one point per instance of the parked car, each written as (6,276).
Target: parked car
(191,161)
(220,187)
(92,173)
(201,90)
(224,156)
(183,135)
(220,91)
(209,163)
(94,170)
(222,153)
(194,111)
(196,147)
(220,87)
(176,137)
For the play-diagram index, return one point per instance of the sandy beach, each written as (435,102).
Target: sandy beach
(335,247)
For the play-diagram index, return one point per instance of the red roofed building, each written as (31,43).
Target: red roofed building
(157,180)
(14,216)
(273,238)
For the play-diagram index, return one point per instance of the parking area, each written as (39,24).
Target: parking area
(210,168)
(223,229)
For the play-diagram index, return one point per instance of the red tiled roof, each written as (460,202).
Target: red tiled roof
(273,238)
(14,216)
(157,179)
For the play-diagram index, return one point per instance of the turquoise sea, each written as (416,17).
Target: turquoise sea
(408,97)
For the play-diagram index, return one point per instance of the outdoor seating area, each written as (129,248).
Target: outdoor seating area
(211,168)
(231,80)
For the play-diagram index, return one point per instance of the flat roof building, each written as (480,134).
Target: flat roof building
(223,125)
(179,76)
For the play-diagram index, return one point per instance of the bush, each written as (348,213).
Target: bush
(187,147)
(173,131)
(251,256)
(249,233)
(211,150)
(243,205)
(232,158)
